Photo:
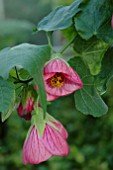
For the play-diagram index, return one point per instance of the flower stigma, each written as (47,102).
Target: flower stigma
(57,80)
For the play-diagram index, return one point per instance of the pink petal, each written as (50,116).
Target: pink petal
(35,87)
(25,112)
(54,142)
(68,88)
(72,79)
(61,129)
(56,65)
(73,76)
(34,150)
(49,75)
(112,21)
(51,97)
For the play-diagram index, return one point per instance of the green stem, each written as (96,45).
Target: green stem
(67,45)
(49,42)
(17,73)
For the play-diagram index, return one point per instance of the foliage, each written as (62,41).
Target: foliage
(93,50)
(86,24)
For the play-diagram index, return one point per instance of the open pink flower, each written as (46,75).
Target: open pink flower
(25,112)
(112,21)
(60,79)
(37,149)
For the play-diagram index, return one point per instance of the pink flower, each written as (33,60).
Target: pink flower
(61,129)
(112,21)
(60,79)
(37,149)
(25,112)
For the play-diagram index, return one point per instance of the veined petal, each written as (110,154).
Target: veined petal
(51,97)
(68,77)
(56,65)
(54,142)
(61,129)
(73,76)
(34,150)
(66,89)
(47,76)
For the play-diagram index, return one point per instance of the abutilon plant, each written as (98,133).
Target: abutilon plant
(33,74)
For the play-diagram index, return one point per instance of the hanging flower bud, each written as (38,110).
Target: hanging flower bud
(25,111)
(60,79)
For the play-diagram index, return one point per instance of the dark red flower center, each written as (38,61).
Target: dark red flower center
(57,80)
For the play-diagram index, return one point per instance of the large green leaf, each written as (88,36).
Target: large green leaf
(93,18)
(5,115)
(105,32)
(92,51)
(60,18)
(7,94)
(106,71)
(30,57)
(87,100)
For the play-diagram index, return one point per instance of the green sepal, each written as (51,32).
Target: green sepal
(38,120)
(56,55)
(51,119)
(28,91)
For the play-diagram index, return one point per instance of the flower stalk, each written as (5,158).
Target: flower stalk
(67,45)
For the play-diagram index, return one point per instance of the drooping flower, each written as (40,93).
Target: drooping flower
(37,149)
(60,128)
(25,111)
(60,79)
(112,21)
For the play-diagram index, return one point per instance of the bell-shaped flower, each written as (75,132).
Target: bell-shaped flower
(25,111)
(60,79)
(55,143)
(39,148)
(34,150)
(112,21)
(60,128)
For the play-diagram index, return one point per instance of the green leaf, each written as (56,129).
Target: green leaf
(106,71)
(92,51)
(87,100)
(93,18)
(7,95)
(38,120)
(5,115)
(106,32)
(30,57)
(60,18)
(24,74)
(69,32)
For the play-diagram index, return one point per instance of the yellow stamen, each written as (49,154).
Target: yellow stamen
(57,80)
